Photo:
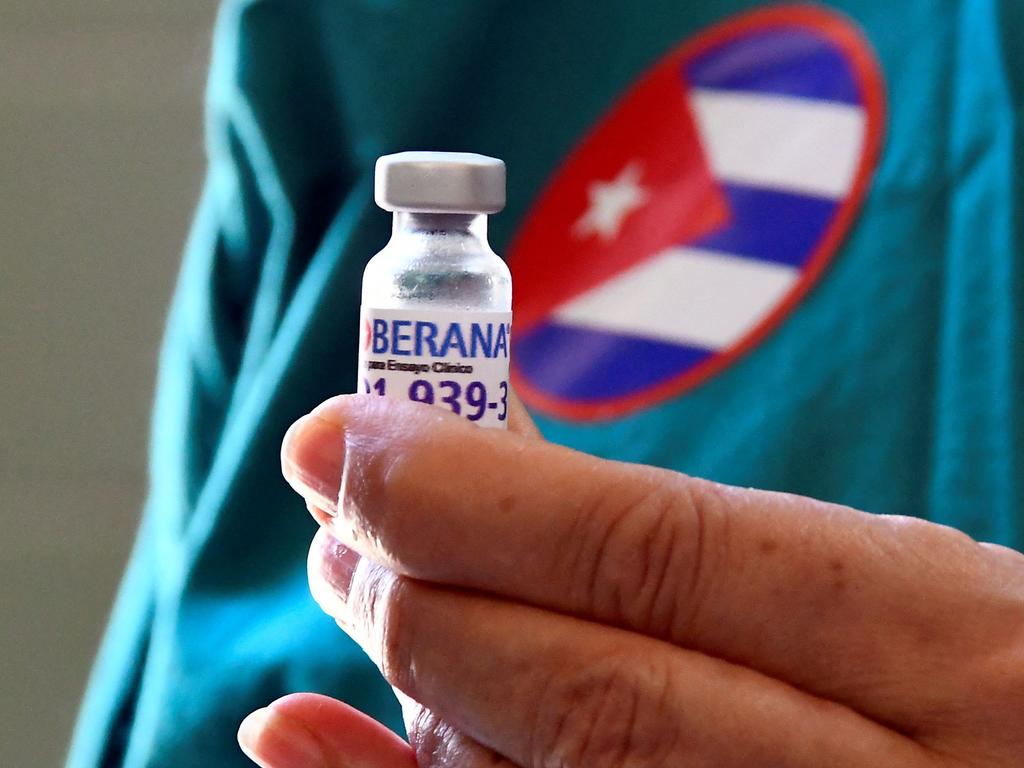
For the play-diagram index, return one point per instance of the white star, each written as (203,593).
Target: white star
(610,203)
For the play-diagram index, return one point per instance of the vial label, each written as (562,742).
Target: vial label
(456,360)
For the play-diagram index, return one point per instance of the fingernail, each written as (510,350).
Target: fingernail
(337,565)
(272,740)
(312,458)
(250,731)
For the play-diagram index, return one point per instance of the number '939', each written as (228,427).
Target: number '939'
(471,401)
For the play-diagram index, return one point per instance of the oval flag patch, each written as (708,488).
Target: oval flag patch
(696,213)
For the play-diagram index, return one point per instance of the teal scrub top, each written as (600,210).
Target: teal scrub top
(892,384)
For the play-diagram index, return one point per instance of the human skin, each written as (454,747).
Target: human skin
(535,606)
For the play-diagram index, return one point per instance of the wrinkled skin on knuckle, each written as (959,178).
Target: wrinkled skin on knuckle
(630,554)
(438,744)
(434,741)
(705,554)
(672,540)
(609,713)
(664,545)
(383,610)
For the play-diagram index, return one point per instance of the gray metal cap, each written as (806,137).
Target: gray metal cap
(440,182)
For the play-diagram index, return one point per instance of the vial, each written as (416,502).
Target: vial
(436,315)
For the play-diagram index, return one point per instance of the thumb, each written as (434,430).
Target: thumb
(519,422)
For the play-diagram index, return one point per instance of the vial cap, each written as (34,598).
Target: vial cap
(440,182)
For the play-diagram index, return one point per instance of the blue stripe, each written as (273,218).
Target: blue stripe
(771,226)
(584,364)
(786,61)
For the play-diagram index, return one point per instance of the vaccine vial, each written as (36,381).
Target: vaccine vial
(436,317)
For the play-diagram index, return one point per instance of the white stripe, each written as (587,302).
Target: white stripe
(686,296)
(791,144)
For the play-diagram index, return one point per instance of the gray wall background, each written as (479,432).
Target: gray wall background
(100,167)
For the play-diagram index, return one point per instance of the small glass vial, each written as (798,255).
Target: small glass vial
(436,317)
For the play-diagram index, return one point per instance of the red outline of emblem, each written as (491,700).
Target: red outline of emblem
(849,39)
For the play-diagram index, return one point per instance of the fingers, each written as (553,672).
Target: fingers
(545,689)
(821,596)
(306,730)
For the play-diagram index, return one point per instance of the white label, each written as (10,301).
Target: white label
(457,360)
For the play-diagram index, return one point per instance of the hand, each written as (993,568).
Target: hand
(542,607)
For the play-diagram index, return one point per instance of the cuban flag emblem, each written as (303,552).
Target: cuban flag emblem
(696,214)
